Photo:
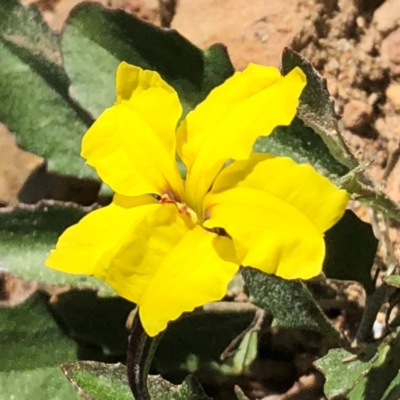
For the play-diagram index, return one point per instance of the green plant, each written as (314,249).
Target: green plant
(52,88)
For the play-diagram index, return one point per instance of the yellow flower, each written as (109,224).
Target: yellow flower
(170,245)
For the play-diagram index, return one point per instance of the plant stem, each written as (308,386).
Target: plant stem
(141,349)
(372,307)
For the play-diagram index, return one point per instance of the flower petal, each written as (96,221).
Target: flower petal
(225,126)
(198,271)
(298,184)
(168,266)
(276,212)
(144,88)
(268,234)
(88,246)
(132,144)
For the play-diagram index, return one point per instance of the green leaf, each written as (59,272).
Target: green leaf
(343,370)
(247,351)
(32,346)
(97,39)
(26,237)
(31,338)
(34,101)
(300,143)
(194,344)
(351,247)
(393,390)
(289,302)
(316,108)
(317,112)
(97,381)
(312,137)
(239,393)
(97,322)
(393,280)
(371,374)
(39,383)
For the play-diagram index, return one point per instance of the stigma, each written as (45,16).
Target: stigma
(183,208)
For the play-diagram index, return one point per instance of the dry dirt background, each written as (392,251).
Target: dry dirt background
(355,45)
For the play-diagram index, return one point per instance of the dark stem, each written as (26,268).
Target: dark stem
(167,11)
(372,306)
(141,349)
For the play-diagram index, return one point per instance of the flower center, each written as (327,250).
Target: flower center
(182,207)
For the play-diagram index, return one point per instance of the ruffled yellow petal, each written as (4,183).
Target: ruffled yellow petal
(249,104)
(168,266)
(88,246)
(298,184)
(132,144)
(153,98)
(276,212)
(268,234)
(198,271)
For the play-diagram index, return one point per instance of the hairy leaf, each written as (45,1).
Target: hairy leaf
(351,247)
(371,374)
(32,346)
(289,302)
(97,39)
(26,237)
(97,381)
(34,101)
(317,112)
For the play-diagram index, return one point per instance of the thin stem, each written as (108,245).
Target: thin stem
(141,349)
(373,305)
(255,326)
(167,11)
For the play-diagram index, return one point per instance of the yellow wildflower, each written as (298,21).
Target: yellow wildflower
(170,245)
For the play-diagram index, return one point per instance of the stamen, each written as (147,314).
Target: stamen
(183,209)
(172,195)
(165,199)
